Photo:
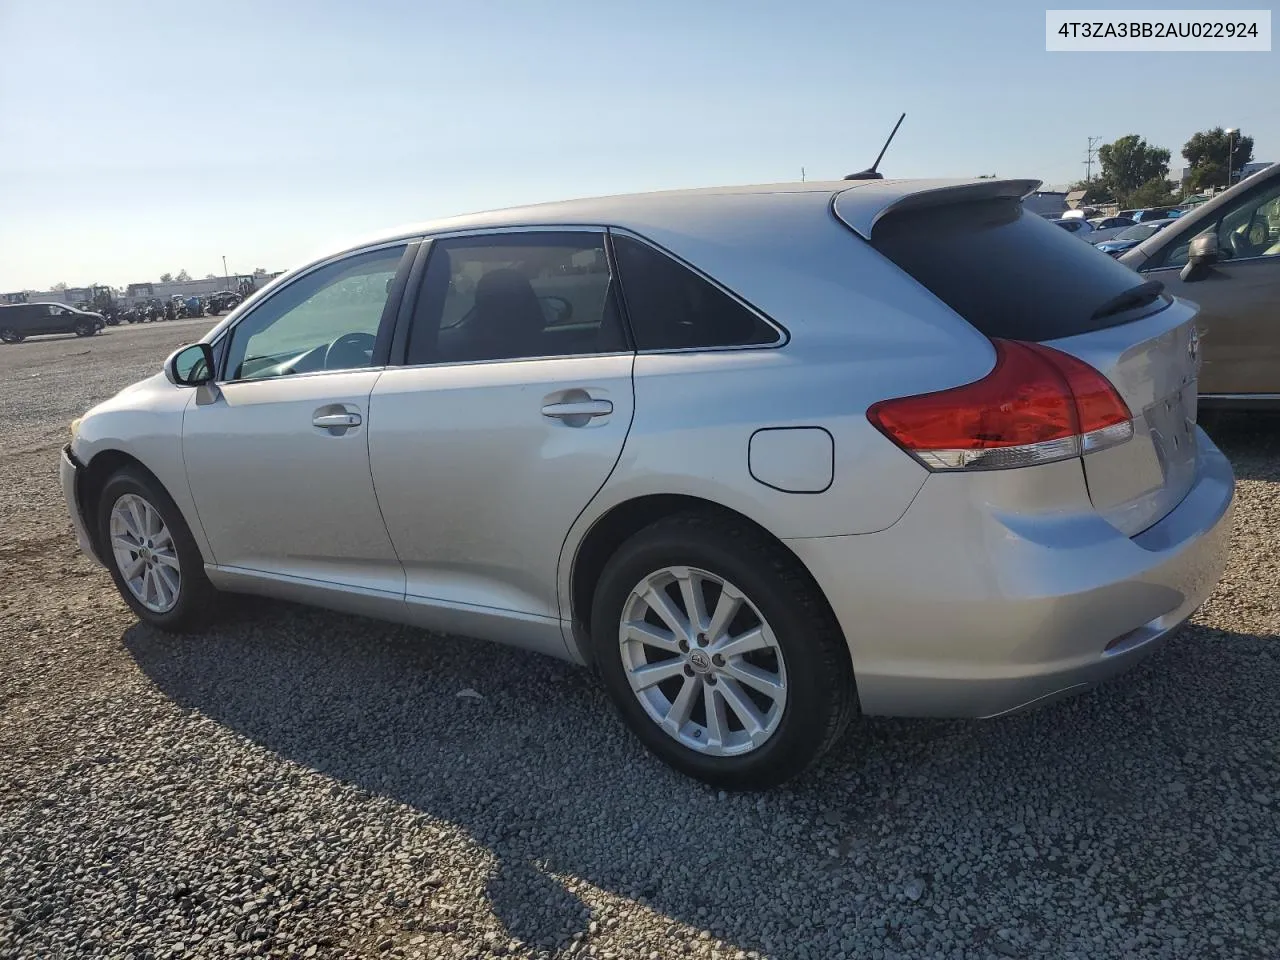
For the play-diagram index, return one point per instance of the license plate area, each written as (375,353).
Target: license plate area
(1172,425)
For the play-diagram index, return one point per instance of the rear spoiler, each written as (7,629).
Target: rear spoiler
(861,206)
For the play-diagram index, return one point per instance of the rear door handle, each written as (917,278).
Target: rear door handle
(574,409)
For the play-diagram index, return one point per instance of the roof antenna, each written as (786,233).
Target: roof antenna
(871,173)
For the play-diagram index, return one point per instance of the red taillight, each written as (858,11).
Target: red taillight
(1037,404)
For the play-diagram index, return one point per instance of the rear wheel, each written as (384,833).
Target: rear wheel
(720,652)
(151,554)
(10,335)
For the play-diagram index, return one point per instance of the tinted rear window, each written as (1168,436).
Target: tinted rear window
(1008,273)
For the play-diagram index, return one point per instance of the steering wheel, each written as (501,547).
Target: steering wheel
(349,350)
(1251,240)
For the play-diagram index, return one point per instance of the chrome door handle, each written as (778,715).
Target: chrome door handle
(578,408)
(330,421)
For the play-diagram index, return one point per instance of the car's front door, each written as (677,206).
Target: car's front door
(508,414)
(277,455)
(1239,296)
(49,319)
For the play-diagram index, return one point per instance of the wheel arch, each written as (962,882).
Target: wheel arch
(622,521)
(101,467)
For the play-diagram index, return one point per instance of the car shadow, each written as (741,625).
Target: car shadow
(378,706)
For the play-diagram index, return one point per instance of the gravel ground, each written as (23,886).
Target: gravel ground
(297,783)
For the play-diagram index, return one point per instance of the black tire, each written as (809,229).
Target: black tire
(85,329)
(10,335)
(821,695)
(192,608)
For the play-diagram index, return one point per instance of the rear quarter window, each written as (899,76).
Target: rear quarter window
(672,308)
(1008,273)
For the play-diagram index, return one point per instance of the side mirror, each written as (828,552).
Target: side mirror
(1201,255)
(190,366)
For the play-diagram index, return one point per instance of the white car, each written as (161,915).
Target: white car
(765,458)
(1077,227)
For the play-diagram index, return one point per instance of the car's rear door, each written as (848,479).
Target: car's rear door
(48,319)
(507,413)
(277,455)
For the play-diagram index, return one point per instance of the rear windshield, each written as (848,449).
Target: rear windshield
(1011,274)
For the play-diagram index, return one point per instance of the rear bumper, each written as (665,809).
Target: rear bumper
(68,475)
(959,610)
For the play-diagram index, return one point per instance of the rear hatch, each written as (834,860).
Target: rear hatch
(1014,276)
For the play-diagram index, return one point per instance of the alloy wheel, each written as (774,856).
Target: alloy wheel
(145,553)
(703,662)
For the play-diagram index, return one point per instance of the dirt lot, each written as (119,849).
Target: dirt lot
(296,783)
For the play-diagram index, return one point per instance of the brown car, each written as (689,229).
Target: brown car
(1225,256)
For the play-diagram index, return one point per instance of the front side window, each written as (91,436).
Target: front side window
(673,308)
(516,296)
(1246,229)
(326,320)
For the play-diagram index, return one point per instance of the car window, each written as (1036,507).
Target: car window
(326,320)
(515,296)
(673,308)
(1248,228)
(1009,275)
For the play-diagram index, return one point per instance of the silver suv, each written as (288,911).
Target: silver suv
(763,457)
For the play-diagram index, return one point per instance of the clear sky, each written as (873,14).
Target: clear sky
(142,137)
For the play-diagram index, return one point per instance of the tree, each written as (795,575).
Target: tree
(1206,155)
(1130,163)
(210,276)
(59,286)
(259,271)
(183,275)
(1157,192)
(166,278)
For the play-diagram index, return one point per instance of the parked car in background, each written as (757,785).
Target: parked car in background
(1143,215)
(1104,228)
(943,464)
(1225,255)
(217,303)
(22,320)
(1076,226)
(1132,236)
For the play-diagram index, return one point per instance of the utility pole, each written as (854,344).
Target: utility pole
(226,278)
(1088,157)
(802,174)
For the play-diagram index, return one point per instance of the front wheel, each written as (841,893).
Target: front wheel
(151,554)
(10,335)
(720,652)
(85,329)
